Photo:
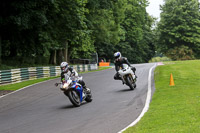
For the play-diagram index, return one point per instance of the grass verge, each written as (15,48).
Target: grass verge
(17,86)
(173,109)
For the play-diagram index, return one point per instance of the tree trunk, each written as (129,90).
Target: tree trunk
(65,52)
(0,50)
(52,59)
(59,56)
(13,52)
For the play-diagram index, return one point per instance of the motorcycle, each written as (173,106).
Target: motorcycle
(127,76)
(74,91)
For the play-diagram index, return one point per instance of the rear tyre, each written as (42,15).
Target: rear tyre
(74,98)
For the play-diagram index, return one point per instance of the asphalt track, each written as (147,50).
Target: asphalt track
(43,108)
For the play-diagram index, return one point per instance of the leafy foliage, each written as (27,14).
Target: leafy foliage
(38,32)
(180,25)
(138,34)
(180,53)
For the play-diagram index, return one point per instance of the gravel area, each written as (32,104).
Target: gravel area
(4,92)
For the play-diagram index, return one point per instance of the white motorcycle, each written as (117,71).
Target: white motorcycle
(127,75)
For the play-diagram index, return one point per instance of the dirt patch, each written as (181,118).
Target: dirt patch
(4,92)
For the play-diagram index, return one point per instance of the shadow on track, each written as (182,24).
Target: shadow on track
(67,107)
(72,106)
(124,90)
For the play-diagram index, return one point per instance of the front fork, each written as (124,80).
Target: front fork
(78,89)
(131,76)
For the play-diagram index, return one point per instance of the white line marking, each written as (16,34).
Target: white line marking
(146,107)
(25,88)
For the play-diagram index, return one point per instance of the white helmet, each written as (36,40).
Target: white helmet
(117,55)
(64,66)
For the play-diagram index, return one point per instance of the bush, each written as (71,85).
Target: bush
(181,53)
(159,59)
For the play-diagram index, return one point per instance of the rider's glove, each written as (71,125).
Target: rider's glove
(133,68)
(72,74)
(56,84)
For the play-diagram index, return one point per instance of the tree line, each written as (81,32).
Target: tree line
(36,31)
(178,31)
(50,31)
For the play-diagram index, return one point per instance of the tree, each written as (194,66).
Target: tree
(104,19)
(0,49)
(34,30)
(38,32)
(137,26)
(180,25)
(70,31)
(21,27)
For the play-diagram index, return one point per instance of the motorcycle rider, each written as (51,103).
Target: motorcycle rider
(69,71)
(119,60)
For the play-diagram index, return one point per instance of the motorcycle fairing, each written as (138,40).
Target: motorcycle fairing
(79,89)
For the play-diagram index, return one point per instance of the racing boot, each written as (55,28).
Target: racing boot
(133,69)
(122,82)
(87,90)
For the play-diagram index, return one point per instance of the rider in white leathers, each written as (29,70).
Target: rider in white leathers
(67,71)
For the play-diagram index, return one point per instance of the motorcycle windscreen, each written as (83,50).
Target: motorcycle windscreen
(124,66)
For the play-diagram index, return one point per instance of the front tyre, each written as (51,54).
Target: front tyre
(129,83)
(134,85)
(74,98)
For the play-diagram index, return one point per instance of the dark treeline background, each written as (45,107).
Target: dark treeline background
(50,31)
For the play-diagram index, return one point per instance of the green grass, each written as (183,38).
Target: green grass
(99,69)
(17,86)
(174,109)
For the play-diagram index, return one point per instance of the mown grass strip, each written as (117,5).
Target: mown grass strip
(17,86)
(176,108)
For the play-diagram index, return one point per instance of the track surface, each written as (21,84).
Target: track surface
(43,108)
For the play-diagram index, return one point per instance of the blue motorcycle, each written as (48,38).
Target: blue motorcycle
(75,92)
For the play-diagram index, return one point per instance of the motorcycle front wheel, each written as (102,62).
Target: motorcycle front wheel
(74,98)
(129,83)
